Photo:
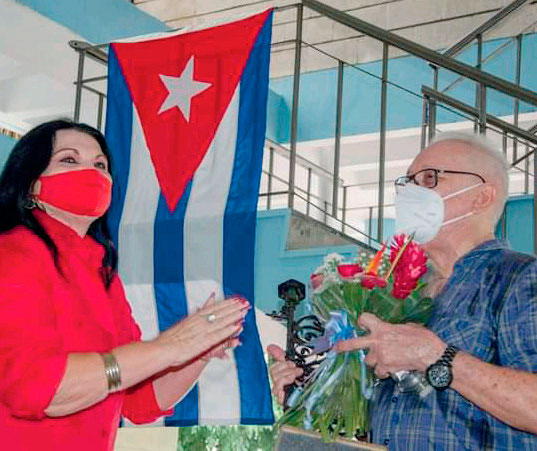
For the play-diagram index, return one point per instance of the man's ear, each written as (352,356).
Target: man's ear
(486,197)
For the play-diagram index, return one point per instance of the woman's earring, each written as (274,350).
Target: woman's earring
(30,202)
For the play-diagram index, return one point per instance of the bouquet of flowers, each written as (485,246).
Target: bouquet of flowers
(334,400)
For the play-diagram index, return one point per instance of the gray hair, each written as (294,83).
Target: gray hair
(488,150)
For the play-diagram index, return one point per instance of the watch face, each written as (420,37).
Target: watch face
(439,376)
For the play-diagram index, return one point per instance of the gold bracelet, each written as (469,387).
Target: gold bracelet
(112,372)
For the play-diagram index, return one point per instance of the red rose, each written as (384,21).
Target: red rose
(347,271)
(371,281)
(316,280)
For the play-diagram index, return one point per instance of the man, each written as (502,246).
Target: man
(479,349)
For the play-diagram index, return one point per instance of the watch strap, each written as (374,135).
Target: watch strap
(448,355)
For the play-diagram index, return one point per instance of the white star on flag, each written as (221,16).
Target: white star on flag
(181,90)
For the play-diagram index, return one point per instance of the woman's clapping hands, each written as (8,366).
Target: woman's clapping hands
(205,333)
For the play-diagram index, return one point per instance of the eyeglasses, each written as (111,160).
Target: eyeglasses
(428,178)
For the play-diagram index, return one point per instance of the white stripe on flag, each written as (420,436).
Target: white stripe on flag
(219,396)
(136,238)
(136,233)
(271,331)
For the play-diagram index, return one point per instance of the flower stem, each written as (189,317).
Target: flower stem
(398,257)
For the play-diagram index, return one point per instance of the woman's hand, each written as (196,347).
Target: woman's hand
(204,330)
(282,373)
(220,351)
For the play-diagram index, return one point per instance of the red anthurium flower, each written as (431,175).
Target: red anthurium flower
(316,280)
(410,265)
(370,281)
(347,271)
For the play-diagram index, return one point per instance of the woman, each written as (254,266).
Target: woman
(71,357)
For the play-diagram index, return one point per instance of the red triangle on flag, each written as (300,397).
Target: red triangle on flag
(181,87)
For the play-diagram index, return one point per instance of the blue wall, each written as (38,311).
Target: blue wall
(98,21)
(519,223)
(274,264)
(361,92)
(278,117)
(6,144)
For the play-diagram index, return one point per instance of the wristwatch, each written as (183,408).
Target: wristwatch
(440,374)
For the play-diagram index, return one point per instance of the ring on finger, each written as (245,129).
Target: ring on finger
(210,318)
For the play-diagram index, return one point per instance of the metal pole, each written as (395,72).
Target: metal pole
(370,226)
(517,82)
(504,224)
(100,112)
(270,173)
(431,107)
(308,193)
(382,151)
(294,111)
(424,121)
(337,146)
(432,119)
(482,109)
(534,203)
(526,172)
(479,64)
(504,219)
(344,211)
(325,211)
(79,77)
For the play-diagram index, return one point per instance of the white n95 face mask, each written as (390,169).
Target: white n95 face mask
(419,211)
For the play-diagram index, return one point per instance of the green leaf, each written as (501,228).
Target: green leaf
(384,306)
(354,300)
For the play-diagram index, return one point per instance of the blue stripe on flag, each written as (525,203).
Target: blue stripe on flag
(170,292)
(239,227)
(118,136)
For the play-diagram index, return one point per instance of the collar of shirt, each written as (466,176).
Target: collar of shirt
(487,246)
(68,241)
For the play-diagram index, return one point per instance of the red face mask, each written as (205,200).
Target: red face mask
(86,192)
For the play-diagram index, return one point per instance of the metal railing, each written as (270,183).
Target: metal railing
(478,33)
(477,36)
(483,80)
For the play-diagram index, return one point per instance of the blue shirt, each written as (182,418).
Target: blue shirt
(488,308)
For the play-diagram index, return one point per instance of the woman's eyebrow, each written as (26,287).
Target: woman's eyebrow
(66,148)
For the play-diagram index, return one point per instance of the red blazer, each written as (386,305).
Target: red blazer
(44,316)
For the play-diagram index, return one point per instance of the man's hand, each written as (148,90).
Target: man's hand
(282,373)
(394,347)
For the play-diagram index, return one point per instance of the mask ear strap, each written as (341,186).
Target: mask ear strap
(451,221)
(461,191)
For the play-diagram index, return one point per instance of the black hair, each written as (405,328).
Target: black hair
(27,161)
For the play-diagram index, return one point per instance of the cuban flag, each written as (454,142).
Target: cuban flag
(186,118)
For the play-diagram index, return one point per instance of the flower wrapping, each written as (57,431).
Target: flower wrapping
(335,399)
